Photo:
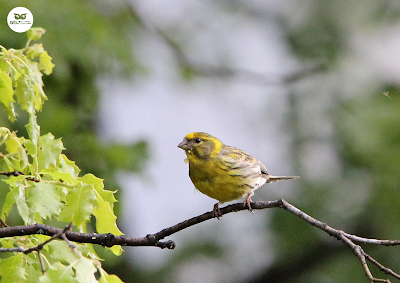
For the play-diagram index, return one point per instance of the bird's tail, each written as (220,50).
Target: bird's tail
(271,179)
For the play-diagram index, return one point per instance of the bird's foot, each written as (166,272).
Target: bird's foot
(247,202)
(216,211)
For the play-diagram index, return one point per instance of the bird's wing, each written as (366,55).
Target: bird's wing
(238,163)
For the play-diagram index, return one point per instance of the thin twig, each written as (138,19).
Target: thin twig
(348,240)
(372,241)
(12,173)
(18,173)
(2,223)
(381,267)
(41,261)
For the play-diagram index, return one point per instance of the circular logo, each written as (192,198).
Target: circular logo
(20,19)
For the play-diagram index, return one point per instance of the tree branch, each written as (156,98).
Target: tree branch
(110,240)
(38,248)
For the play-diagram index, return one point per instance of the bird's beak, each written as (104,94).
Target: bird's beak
(184,145)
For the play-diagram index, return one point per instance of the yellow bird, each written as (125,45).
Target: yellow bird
(223,172)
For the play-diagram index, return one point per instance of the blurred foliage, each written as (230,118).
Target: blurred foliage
(362,198)
(317,39)
(371,140)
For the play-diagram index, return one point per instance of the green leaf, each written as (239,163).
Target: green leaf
(21,205)
(44,199)
(35,33)
(7,243)
(12,269)
(5,66)
(109,278)
(34,132)
(7,95)
(37,82)
(79,206)
(106,221)
(98,185)
(45,63)
(105,218)
(6,89)
(60,251)
(93,180)
(40,97)
(16,196)
(9,201)
(49,150)
(32,267)
(34,50)
(88,251)
(56,175)
(58,273)
(30,147)
(66,171)
(68,166)
(85,270)
(24,91)
(14,145)
(4,132)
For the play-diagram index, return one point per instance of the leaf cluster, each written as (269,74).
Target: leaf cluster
(48,187)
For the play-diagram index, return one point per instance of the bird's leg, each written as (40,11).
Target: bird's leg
(216,211)
(248,201)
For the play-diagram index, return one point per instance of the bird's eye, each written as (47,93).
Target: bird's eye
(197,140)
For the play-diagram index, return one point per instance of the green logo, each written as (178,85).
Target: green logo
(19,16)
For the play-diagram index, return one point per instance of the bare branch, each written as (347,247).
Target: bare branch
(209,215)
(381,267)
(348,240)
(110,240)
(107,240)
(372,241)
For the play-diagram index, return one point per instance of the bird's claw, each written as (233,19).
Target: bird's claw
(216,211)
(247,203)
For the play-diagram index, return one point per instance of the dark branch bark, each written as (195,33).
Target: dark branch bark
(110,240)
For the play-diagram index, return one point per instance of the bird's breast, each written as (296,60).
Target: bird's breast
(221,183)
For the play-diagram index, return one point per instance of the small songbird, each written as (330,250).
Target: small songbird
(223,172)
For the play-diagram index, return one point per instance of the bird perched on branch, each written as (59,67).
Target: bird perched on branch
(223,172)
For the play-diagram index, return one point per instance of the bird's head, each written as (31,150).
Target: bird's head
(200,145)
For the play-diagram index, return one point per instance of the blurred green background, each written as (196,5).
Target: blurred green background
(338,117)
